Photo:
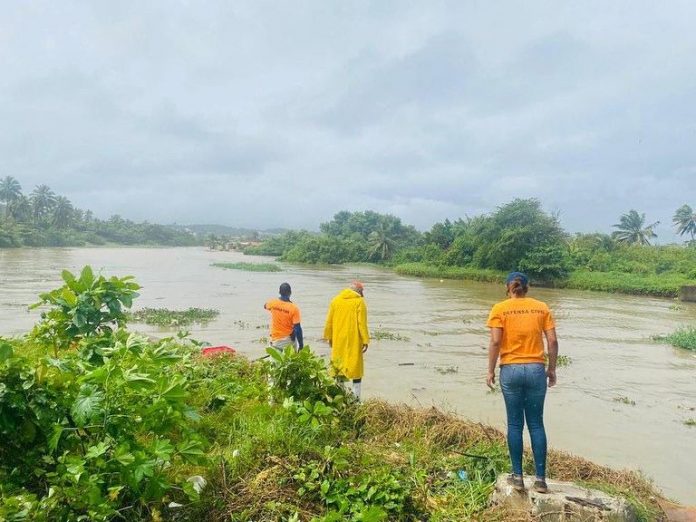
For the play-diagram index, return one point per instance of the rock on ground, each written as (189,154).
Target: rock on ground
(565,502)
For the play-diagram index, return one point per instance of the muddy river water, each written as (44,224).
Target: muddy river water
(622,400)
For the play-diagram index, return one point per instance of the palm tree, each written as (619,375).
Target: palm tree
(633,231)
(381,243)
(20,209)
(42,201)
(685,221)
(62,212)
(10,191)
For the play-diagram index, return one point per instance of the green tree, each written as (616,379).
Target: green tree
(20,209)
(381,243)
(632,230)
(503,239)
(42,201)
(685,221)
(10,191)
(63,212)
(441,234)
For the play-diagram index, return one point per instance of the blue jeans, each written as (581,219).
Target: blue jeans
(524,390)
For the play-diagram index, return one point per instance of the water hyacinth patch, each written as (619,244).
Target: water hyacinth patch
(249,267)
(166,317)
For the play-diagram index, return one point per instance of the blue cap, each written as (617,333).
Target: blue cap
(513,275)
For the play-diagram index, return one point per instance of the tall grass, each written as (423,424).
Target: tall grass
(662,285)
(683,338)
(450,272)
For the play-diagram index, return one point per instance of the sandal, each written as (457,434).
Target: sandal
(516,481)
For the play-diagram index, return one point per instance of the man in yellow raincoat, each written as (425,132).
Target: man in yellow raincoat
(346,331)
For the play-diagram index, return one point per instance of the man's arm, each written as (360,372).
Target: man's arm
(493,353)
(552,346)
(297,332)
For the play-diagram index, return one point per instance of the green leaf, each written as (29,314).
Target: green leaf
(54,439)
(191,492)
(191,450)
(124,456)
(87,276)
(146,469)
(97,451)
(79,320)
(87,405)
(175,393)
(132,375)
(275,354)
(5,351)
(127,300)
(69,296)
(69,278)
(162,449)
(325,485)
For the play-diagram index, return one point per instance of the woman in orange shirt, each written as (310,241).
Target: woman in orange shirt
(518,326)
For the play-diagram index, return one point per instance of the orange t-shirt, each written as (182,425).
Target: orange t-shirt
(284,315)
(523,320)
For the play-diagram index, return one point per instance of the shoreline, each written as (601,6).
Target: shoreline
(605,282)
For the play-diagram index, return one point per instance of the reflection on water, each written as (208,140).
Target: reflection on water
(444,361)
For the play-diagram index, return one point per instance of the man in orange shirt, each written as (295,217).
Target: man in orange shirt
(285,320)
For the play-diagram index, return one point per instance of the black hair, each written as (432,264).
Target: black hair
(285,290)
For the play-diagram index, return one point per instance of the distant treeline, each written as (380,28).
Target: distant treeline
(517,236)
(43,218)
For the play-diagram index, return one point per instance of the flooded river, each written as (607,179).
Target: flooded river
(622,401)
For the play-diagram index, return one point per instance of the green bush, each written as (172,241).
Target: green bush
(86,306)
(98,434)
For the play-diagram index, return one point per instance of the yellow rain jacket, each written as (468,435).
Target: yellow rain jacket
(346,330)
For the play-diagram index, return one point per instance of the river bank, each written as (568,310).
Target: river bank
(210,438)
(666,285)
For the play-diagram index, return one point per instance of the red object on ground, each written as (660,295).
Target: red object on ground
(211,351)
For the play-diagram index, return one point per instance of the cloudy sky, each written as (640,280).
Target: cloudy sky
(282,113)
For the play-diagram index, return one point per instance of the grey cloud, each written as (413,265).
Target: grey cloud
(170,111)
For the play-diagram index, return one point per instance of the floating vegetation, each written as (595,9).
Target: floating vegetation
(561,360)
(625,400)
(242,325)
(676,307)
(690,422)
(684,338)
(384,335)
(166,317)
(444,370)
(263,340)
(249,267)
